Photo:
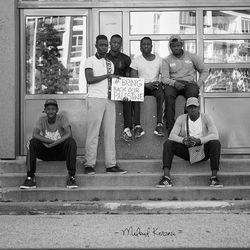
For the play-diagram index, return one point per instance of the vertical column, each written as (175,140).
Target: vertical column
(8,77)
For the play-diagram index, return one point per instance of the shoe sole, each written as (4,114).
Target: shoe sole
(90,173)
(116,172)
(126,140)
(138,136)
(156,133)
(25,187)
(72,187)
(165,186)
(216,186)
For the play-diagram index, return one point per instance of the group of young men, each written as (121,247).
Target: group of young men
(164,79)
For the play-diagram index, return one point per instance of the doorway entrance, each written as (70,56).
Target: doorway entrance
(54,48)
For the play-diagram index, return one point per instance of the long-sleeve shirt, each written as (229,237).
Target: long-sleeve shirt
(183,69)
(209,130)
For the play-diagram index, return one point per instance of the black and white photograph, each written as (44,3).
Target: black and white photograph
(125,124)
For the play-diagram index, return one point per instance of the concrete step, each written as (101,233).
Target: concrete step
(126,193)
(190,181)
(132,166)
(127,180)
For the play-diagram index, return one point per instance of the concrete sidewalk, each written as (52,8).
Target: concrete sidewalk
(123,207)
(202,230)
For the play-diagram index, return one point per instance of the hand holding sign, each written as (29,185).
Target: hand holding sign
(127,89)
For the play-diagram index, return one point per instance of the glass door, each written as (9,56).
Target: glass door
(54,48)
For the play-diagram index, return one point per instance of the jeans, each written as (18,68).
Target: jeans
(132,110)
(190,90)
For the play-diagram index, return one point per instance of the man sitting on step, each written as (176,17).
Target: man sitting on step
(201,131)
(52,141)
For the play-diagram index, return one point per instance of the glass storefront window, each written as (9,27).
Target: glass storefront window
(228,80)
(55,53)
(226,21)
(167,22)
(110,23)
(226,51)
(160,47)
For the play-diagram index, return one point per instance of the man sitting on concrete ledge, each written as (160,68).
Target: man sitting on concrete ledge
(201,131)
(148,66)
(52,141)
(179,76)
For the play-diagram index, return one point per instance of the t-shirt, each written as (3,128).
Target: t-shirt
(195,127)
(149,70)
(121,63)
(99,67)
(52,131)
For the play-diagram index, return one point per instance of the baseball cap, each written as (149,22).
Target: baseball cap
(175,37)
(50,102)
(192,101)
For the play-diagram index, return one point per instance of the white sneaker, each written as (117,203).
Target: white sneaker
(126,135)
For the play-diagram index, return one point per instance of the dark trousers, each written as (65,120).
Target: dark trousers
(63,151)
(131,114)
(132,110)
(212,151)
(190,90)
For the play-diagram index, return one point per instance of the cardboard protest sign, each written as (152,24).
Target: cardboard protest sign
(130,88)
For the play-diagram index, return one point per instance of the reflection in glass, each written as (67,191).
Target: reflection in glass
(168,22)
(226,51)
(55,50)
(226,22)
(110,23)
(228,80)
(160,47)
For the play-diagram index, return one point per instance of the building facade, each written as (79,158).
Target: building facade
(45,43)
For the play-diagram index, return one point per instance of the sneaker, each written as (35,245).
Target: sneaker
(89,170)
(30,182)
(159,130)
(71,182)
(115,170)
(138,131)
(126,135)
(164,182)
(214,182)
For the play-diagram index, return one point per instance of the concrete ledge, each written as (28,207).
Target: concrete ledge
(126,180)
(122,193)
(124,207)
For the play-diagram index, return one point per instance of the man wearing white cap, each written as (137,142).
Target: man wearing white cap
(202,131)
(179,76)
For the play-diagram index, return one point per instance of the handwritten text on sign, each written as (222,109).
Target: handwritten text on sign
(130,88)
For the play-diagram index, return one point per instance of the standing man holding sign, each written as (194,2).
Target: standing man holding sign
(100,110)
(148,66)
(122,68)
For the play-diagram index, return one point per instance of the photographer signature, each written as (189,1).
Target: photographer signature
(149,231)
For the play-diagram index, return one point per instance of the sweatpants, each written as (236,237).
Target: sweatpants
(212,151)
(61,152)
(100,115)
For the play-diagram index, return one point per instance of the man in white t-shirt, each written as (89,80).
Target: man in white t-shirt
(148,66)
(100,109)
(202,131)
